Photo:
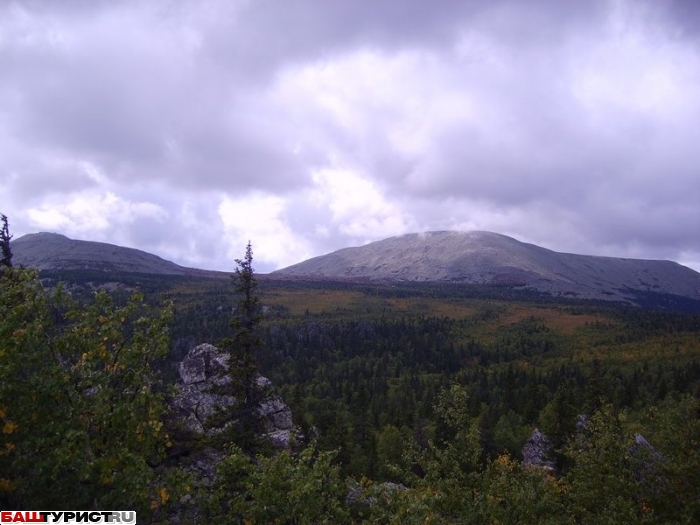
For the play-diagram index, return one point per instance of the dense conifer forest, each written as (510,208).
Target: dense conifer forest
(357,362)
(414,399)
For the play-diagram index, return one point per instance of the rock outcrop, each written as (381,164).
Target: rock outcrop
(204,369)
(647,462)
(537,452)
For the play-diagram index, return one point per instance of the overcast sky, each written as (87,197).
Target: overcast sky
(185,128)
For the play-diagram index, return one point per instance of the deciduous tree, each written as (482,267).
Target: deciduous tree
(80,413)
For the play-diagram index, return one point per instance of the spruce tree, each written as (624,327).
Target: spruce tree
(244,322)
(241,348)
(5,238)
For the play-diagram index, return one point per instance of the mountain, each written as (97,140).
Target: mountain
(454,257)
(488,258)
(51,251)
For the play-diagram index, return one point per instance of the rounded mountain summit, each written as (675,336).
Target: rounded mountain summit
(52,251)
(480,257)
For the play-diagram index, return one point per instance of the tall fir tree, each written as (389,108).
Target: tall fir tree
(244,322)
(5,238)
(241,348)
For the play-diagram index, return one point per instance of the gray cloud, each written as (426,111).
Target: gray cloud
(335,123)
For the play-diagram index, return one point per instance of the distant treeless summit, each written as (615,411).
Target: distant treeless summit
(482,257)
(475,257)
(52,251)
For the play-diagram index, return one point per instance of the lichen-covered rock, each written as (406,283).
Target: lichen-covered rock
(278,414)
(203,369)
(368,496)
(648,465)
(203,362)
(195,401)
(537,451)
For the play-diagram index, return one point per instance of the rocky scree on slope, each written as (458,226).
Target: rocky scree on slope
(488,258)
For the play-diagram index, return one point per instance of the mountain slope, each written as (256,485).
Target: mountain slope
(51,251)
(490,258)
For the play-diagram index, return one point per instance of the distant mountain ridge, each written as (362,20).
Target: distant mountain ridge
(52,251)
(481,257)
(475,257)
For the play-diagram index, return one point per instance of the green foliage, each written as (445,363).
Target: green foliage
(344,375)
(558,418)
(603,488)
(672,485)
(5,239)
(510,433)
(451,465)
(616,476)
(514,494)
(613,477)
(245,323)
(433,386)
(450,484)
(391,445)
(445,474)
(82,420)
(241,348)
(286,489)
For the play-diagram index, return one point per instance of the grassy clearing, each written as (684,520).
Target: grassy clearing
(302,302)
(554,318)
(667,348)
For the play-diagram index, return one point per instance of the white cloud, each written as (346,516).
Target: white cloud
(259,218)
(369,94)
(632,67)
(691,259)
(358,209)
(92,213)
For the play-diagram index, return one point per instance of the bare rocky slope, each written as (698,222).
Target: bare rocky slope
(488,258)
(52,251)
(475,257)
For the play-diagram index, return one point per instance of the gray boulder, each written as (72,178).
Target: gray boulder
(537,452)
(195,401)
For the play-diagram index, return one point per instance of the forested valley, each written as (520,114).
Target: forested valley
(415,402)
